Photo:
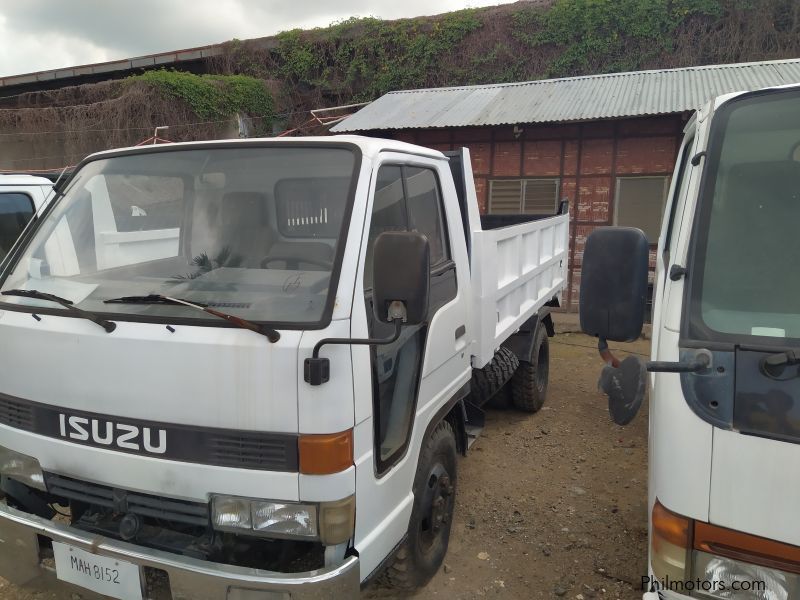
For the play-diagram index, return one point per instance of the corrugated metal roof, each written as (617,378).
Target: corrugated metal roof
(570,99)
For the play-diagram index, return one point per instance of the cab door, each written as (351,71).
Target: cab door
(408,381)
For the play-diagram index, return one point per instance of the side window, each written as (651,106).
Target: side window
(388,212)
(16,209)
(680,187)
(425,211)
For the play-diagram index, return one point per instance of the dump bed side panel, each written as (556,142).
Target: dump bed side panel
(515,271)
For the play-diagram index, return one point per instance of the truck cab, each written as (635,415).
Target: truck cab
(20,197)
(724,380)
(254,365)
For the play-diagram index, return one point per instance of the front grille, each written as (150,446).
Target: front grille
(249,451)
(16,414)
(121,501)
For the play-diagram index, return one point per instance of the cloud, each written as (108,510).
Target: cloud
(49,34)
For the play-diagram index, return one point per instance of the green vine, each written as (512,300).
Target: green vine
(213,97)
(614,35)
(363,58)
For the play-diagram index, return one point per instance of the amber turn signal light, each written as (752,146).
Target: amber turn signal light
(746,547)
(670,527)
(327,453)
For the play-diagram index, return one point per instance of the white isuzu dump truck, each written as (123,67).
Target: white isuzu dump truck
(724,488)
(243,370)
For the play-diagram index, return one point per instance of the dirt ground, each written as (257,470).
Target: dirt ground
(551,505)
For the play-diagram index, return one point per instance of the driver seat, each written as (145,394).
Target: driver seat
(315,251)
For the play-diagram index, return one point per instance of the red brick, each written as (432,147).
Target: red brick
(598,129)
(434,136)
(441,147)
(581,233)
(505,133)
(594,196)
(568,190)
(542,158)
(597,156)
(480,192)
(406,136)
(650,126)
(480,155)
(506,159)
(646,155)
(571,157)
(551,132)
(472,134)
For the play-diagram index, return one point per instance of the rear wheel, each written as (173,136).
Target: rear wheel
(486,382)
(529,384)
(420,556)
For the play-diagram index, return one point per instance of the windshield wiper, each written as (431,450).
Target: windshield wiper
(272,335)
(109,326)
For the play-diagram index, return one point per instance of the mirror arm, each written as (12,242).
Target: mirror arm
(317,371)
(398,325)
(606,354)
(701,362)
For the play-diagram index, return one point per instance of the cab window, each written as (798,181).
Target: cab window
(16,209)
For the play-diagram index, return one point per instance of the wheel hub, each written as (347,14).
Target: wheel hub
(437,504)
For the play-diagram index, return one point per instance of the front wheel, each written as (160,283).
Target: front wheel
(420,556)
(529,383)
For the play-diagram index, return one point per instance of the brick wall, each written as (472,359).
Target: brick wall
(586,158)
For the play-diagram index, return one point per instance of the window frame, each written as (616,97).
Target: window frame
(694,332)
(327,315)
(447,262)
(27,195)
(384,467)
(524,182)
(617,190)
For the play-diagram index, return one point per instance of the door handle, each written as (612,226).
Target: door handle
(460,331)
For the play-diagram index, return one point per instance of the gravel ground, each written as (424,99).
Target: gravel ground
(551,505)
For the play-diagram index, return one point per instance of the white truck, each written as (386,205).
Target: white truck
(21,195)
(244,369)
(725,385)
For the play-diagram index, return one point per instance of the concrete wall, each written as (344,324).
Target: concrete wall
(587,158)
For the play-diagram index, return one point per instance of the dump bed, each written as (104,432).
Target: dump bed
(518,264)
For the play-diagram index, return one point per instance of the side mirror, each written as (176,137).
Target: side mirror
(401,280)
(614,283)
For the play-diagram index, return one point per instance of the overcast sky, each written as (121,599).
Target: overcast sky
(49,34)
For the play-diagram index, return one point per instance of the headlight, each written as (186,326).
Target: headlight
(231,513)
(329,522)
(22,468)
(722,577)
(270,519)
(289,520)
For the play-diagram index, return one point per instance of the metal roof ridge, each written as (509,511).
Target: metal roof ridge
(711,67)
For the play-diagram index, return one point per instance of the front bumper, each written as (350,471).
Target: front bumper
(189,579)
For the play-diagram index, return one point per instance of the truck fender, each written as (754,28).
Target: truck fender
(453,411)
(521,343)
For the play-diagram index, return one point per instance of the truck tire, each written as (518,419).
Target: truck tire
(529,383)
(486,382)
(422,553)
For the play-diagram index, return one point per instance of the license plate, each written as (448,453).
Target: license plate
(100,574)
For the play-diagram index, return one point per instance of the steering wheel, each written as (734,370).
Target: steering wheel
(296,260)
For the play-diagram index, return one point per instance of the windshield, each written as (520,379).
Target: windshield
(254,231)
(744,279)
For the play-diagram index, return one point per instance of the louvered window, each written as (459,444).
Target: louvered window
(523,196)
